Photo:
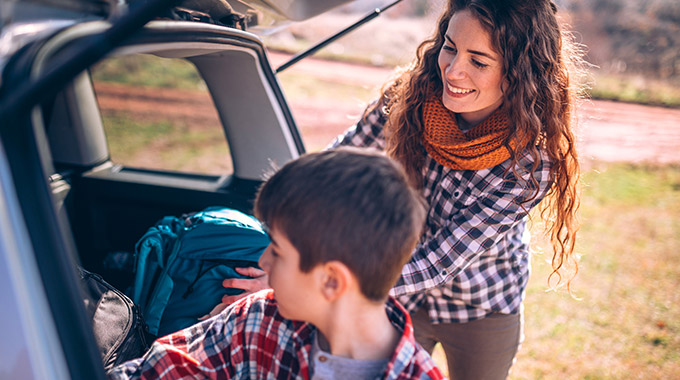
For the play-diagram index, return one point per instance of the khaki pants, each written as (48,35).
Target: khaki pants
(477,350)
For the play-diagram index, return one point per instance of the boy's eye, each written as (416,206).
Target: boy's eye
(274,252)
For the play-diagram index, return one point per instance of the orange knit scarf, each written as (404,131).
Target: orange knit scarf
(480,148)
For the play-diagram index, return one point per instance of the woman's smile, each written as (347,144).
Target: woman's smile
(458,91)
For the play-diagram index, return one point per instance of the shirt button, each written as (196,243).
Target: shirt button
(456,194)
(322,359)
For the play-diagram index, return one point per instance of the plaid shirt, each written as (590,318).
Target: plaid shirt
(473,259)
(251,340)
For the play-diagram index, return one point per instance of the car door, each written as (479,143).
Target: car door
(38,314)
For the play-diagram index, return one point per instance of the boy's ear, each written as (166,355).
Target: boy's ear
(336,280)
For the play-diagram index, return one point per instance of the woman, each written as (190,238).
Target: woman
(482,122)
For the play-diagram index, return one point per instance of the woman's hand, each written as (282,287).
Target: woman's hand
(258,281)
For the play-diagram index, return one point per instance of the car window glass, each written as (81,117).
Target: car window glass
(158,114)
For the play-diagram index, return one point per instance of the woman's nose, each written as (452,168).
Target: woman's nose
(455,69)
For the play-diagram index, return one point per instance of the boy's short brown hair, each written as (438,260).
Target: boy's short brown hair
(351,205)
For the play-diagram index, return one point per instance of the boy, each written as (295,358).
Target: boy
(342,225)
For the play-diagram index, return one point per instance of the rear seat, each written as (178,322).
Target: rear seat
(60,190)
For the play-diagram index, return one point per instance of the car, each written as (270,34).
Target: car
(82,177)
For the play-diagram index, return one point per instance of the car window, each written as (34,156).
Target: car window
(158,114)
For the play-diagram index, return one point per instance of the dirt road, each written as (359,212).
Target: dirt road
(609,131)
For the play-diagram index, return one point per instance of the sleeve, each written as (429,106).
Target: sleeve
(474,229)
(367,133)
(212,346)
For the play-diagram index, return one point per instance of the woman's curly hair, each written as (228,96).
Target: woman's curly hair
(537,58)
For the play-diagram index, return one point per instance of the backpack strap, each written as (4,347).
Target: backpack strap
(153,254)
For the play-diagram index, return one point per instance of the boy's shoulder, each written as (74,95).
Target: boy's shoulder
(261,302)
(258,316)
(410,360)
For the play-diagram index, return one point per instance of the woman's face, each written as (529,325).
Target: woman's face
(470,68)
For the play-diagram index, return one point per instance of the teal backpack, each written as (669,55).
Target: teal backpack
(180,265)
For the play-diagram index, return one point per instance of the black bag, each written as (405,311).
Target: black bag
(116,321)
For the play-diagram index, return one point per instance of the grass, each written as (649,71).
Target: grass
(169,73)
(156,141)
(392,42)
(627,321)
(166,145)
(635,89)
(382,41)
(630,88)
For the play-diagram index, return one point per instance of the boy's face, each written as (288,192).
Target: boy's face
(294,290)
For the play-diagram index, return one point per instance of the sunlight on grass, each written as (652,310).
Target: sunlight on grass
(635,89)
(440,358)
(166,145)
(171,73)
(627,323)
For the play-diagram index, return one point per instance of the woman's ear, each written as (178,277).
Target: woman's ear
(336,280)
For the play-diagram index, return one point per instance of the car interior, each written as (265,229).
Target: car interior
(109,205)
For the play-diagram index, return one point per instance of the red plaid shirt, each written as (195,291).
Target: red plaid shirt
(251,340)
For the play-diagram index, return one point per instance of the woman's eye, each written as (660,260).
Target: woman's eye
(450,48)
(479,64)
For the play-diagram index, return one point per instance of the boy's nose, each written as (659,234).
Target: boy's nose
(264,261)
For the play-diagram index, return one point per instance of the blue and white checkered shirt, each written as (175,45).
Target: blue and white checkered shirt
(473,259)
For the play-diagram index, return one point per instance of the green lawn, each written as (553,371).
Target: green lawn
(626,322)
(166,144)
(170,73)
(635,89)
